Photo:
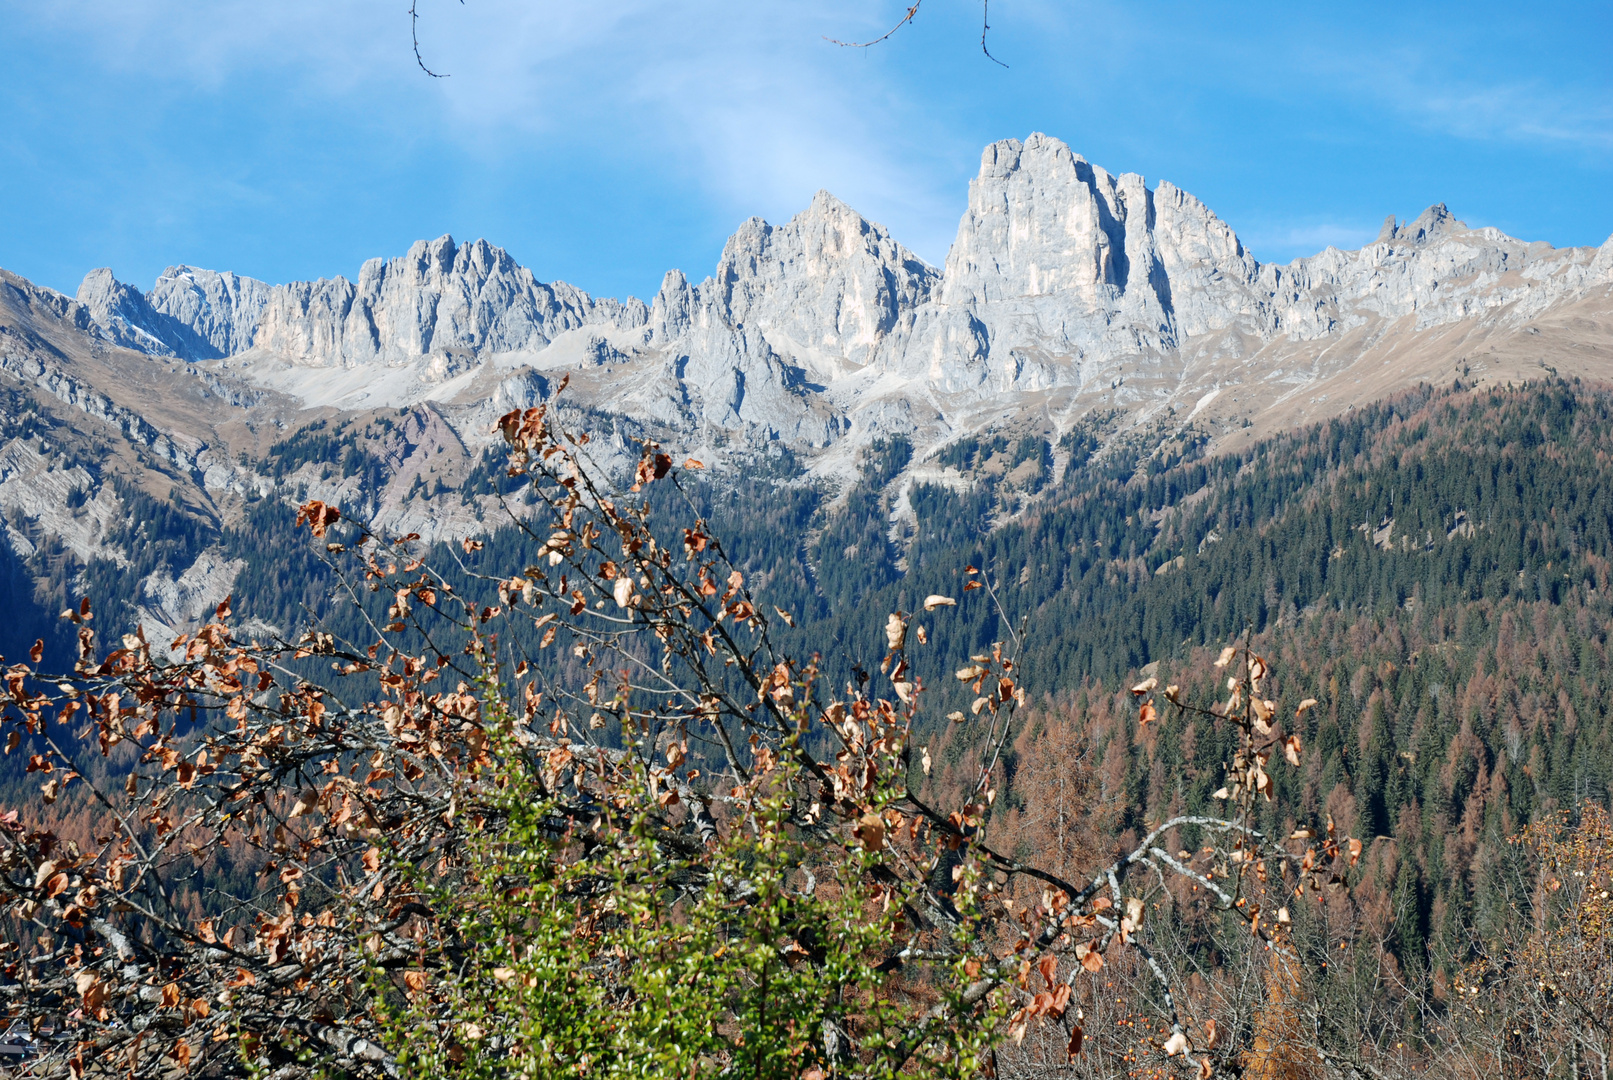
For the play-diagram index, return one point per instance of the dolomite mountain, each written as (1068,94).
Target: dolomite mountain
(1066,287)
(1069,293)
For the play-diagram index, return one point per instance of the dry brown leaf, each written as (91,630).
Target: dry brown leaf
(1291,749)
(896,631)
(871,831)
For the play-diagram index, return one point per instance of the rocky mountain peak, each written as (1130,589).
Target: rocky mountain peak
(125,318)
(1043,221)
(824,287)
(1432,224)
(221,308)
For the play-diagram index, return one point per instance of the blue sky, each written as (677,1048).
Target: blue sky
(604,143)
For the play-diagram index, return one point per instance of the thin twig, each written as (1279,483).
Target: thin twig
(912,11)
(414,32)
(985,26)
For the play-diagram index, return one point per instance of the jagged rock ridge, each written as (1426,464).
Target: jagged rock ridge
(1070,293)
(1063,278)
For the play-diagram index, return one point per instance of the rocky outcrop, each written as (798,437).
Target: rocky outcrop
(124,316)
(221,310)
(823,289)
(439,298)
(1060,270)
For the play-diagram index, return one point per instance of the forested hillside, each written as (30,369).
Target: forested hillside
(1428,579)
(1434,569)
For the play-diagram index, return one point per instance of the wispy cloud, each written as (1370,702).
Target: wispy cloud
(744,104)
(1284,243)
(1521,112)
(1425,88)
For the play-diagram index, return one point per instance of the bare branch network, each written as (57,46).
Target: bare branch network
(288,867)
(910,15)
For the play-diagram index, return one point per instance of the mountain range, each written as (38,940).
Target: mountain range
(1077,309)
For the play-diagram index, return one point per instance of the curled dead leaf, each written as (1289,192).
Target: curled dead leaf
(319,516)
(935,601)
(871,831)
(1291,749)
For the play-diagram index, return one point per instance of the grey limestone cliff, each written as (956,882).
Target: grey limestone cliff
(1064,279)
(221,309)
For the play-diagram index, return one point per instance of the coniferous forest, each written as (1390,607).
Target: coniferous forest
(1432,574)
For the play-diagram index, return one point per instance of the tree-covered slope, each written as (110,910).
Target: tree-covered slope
(1435,569)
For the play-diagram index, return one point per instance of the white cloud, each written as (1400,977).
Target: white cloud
(1284,243)
(744,105)
(1418,87)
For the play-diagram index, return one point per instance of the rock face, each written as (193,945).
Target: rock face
(1060,270)
(1064,280)
(825,288)
(125,317)
(221,310)
(439,298)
